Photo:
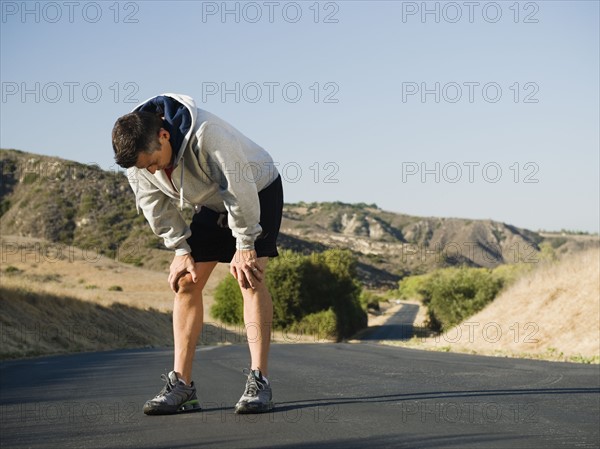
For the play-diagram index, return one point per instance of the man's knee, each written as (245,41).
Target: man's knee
(258,294)
(186,286)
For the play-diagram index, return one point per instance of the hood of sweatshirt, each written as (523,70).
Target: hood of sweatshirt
(179,112)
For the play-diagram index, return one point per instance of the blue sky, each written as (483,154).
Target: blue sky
(489,113)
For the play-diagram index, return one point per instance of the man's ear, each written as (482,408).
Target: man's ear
(164,133)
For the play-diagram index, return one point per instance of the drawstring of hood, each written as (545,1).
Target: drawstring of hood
(181,185)
(137,187)
(132,179)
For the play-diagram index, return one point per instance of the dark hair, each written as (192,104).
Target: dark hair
(133,133)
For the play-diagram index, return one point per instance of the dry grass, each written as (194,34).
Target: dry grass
(59,299)
(41,323)
(34,324)
(551,313)
(62,270)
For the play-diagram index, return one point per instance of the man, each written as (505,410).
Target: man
(176,152)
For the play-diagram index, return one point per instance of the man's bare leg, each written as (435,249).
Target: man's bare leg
(258,317)
(188,316)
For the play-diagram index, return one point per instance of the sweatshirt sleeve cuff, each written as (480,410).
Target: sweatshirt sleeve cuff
(183,250)
(244,245)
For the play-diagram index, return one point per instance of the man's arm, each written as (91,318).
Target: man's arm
(166,221)
(162,215)
(232,171)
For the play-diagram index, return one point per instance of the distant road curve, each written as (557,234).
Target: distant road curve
(398,326)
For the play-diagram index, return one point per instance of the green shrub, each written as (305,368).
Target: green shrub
(547,253)
(342,292)
(509,273)
(136,261)
(30,178)
(322,325)
(4,206)
(369,300)
(302,286)
(115,288)
(411,287)
(454,294)
(287,277)
(228,305)
(87,204)
(557,242)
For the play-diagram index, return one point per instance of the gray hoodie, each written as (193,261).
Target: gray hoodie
(217,167)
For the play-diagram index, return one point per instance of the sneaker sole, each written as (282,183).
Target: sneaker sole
(246,408)
(188,407)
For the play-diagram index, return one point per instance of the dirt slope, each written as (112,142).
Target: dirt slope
(553,311)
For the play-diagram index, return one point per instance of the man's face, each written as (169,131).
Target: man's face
(160,159)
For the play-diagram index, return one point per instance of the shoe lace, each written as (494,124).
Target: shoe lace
(168,386)
(252,386)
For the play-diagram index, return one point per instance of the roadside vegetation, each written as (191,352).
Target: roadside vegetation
(547,310)
(316,294)
(454,294)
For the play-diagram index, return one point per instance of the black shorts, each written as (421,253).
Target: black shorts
(211,238)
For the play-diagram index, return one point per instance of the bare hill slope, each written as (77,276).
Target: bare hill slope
(554,312)
(56,298)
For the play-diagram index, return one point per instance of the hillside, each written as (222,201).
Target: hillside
(59,299)
(56,298)
(551,312)
(392,245)
(81,205)
(73,204)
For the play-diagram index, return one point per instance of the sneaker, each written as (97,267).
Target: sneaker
(257,396)
(175,397)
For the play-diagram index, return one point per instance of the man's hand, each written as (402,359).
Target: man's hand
(180,266)
(245,268)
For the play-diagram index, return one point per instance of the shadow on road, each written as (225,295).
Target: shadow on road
(404,441)
(324,402)
(409,441)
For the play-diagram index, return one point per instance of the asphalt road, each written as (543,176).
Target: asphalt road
(398,326)
(327,395)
